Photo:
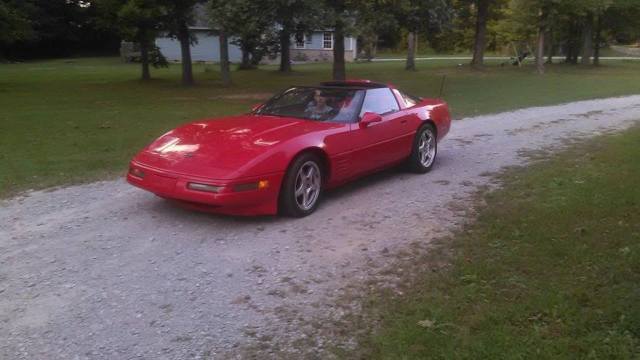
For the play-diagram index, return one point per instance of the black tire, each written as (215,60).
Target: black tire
(291,202)
(416,162)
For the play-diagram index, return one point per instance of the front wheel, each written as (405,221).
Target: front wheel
(424,151)
(302,186)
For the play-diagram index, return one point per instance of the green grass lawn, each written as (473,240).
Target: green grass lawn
(551,269)
(67,121)
(428,52)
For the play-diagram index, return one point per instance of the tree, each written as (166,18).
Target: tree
(485,14)
(48,28)
(412,44)
(374,18)
(294,17)
(14,23)
(581,26)
(225,72)
(543,14)
(251,23)
(180,16)
(622,21)
(339,66)
(339,15)
(482,17)
(528,21)
(138,21)
(422,17)
(609,14)
(218,17)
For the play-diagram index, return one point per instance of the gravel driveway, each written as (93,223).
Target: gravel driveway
(107,271)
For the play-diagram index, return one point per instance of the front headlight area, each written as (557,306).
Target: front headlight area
(134,171)
(257,185)
(204,187)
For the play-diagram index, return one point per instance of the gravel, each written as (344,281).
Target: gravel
(107,271)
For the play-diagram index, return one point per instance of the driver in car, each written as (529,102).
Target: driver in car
(318,108)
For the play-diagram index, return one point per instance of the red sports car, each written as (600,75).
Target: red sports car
(283,155)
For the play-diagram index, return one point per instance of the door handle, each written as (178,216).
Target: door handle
(403,121)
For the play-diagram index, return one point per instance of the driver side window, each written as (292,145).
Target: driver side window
(379,101)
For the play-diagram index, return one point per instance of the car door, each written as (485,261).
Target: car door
(378,144)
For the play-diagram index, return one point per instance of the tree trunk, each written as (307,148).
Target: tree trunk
(225,72)
(568,48)
(367,46)
(285,44)
(540,53)
(368,49)
(339,70)
(412,41)
(587,40)
(481,33)
(185,49)
(144,60)
(375,46)
(370,44)
(550,46)
(598,40)
(542,25)
(246,59)
(572,43)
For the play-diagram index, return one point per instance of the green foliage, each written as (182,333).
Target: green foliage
(156,58)
(421,16)
(140,20)
(31,28)
(179,15)
(251,23)
(14,22)
(302,16)
(517,22)
(622,20)
(400,16)
(460,35)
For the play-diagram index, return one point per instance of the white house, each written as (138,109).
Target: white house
(316,47)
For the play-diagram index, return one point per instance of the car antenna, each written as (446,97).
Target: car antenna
(444,80)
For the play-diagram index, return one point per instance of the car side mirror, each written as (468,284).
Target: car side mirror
(368,118)
(256,107)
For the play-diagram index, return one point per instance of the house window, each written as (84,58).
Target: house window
(300,41)
(327,40)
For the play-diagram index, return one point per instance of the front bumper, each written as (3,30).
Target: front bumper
(226,201)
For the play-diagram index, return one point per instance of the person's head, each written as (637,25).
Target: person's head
(320,98)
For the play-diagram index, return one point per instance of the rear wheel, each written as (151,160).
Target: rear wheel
(424,151)
(302,186)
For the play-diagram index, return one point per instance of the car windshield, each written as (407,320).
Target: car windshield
(316,103)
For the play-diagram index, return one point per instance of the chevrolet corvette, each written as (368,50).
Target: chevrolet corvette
(283,155)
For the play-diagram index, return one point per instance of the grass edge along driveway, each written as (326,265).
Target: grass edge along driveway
(550,269)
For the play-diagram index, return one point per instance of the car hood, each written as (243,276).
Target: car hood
(225,148)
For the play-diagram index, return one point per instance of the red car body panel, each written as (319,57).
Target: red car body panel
(250,148)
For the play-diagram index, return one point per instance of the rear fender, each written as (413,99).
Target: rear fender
(437,112)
